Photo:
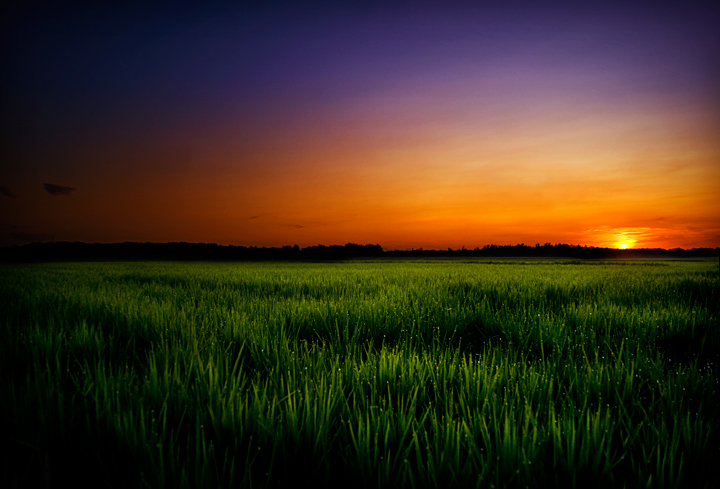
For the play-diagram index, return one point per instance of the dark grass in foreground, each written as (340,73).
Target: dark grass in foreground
(360,374)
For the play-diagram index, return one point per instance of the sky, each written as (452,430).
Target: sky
(410,125)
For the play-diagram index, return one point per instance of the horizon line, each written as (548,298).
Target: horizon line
(421,249)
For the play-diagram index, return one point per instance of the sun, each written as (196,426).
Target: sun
(624,242)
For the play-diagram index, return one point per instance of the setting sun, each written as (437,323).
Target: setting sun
(623,246)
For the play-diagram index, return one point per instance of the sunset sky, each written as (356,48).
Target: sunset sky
(404,124)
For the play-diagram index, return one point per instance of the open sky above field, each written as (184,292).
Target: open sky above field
(408,125)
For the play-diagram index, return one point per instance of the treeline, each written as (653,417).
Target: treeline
(63,250)
(549,250)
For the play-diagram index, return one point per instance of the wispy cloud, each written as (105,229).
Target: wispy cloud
(6,192)
(53,189)
(29,236)
(254,217)
(22,234)
(308,224)
(650,236)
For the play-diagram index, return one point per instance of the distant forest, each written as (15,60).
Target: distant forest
(63,250)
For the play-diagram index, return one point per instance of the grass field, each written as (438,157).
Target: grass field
(360,374)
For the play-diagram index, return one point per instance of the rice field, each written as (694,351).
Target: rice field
(362,373)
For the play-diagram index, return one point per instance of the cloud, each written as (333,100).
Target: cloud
(654,236)
(254,217)
(28,237)
(6,192)
(307,224)
(53,189)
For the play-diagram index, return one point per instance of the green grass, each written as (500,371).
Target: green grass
(360,374)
